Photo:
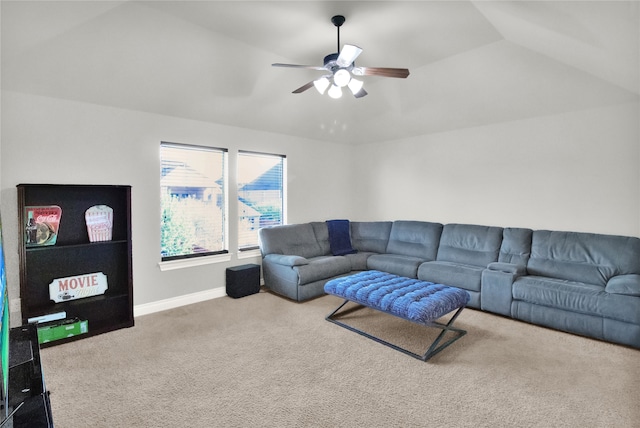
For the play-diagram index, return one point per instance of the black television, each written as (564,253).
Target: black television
(4,335)
(24,400)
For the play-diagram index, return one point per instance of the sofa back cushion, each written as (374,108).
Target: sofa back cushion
(293,239)
(321,231)
(470,244)
(516,246)
(370,236)
(583,257)
(415,238)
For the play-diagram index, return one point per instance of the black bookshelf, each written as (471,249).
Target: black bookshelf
(73,254)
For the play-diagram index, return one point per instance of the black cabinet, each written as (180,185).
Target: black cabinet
(73,255)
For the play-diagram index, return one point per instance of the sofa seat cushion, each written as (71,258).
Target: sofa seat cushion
(449,273)
(577,297)
(322,267)
(396,264)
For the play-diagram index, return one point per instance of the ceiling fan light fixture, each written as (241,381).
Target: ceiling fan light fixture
(355,85)
(321,84)
(341,77)
(335,92)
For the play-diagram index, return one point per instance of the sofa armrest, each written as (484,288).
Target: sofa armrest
(496,286)
(286,260)
(629,285)
(510,268)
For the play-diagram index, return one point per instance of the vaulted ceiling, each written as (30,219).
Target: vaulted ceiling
(472,63)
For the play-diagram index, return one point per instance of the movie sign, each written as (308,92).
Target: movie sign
(78,287)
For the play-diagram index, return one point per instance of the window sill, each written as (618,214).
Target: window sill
(196,261)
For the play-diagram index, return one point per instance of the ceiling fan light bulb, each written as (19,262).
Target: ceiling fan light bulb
(341,77)
(335,92)
(355,85)
(321,84)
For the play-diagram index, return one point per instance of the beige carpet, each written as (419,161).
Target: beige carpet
(263,361)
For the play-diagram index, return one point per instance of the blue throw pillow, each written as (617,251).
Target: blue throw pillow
(340,237)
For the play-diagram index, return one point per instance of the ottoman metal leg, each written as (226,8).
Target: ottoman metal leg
(435,346)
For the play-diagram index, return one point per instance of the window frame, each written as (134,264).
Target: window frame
(205,257)
(254,249)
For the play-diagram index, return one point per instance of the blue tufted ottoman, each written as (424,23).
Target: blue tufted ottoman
(411,299)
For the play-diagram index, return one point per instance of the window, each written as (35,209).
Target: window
(193,201)
(261,195)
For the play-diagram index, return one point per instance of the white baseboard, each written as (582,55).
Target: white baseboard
(175,302)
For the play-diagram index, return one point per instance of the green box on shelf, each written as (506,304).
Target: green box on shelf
(68,328)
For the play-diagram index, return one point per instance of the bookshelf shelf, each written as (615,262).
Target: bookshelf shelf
(72,246)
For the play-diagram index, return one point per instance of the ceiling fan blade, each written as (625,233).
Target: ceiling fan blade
(348,54)
(361,93)
(381,71)
(310,67)
(303,88)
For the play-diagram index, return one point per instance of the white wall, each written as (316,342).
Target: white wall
(47,140)
(577,171)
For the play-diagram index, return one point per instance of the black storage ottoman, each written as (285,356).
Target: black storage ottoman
(243,280)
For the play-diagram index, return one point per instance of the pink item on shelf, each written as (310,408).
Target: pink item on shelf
(99,219)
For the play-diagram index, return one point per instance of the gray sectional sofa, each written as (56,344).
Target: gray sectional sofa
(584,283)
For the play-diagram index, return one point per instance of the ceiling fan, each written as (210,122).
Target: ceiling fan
(341,68)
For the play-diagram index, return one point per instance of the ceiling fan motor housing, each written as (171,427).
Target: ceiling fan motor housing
(331,65)
(338,20)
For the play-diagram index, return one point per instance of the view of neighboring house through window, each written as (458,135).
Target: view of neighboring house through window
(193,201)
(261,195)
